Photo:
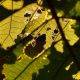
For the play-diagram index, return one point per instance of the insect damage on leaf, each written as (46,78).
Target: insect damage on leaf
(37,13)
(32,21)
(33,50)
(27,14)
(20,36)
(54,34)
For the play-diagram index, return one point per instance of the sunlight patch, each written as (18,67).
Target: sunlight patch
(76,76)
(68,67)
(59,46)
(16,5)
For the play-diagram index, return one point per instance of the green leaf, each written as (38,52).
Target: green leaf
(50,64)
(49,59)
(68,8)
(12,26)
(16,5)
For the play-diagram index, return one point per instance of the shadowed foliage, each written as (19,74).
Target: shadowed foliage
(21,61)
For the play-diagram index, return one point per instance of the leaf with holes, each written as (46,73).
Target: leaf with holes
(44,56)
(15,23)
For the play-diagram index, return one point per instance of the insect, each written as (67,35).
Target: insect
(54,33)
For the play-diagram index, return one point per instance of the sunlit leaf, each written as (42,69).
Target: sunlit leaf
(42,54)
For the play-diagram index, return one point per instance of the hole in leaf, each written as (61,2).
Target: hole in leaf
(43,9)
(54,34)
(34,51)
(39,11)
(56,31)
(28,14)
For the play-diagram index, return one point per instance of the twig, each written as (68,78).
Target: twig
(50,3)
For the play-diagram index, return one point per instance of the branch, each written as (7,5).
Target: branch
(50,3)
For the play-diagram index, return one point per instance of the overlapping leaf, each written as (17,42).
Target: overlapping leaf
(50,63)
